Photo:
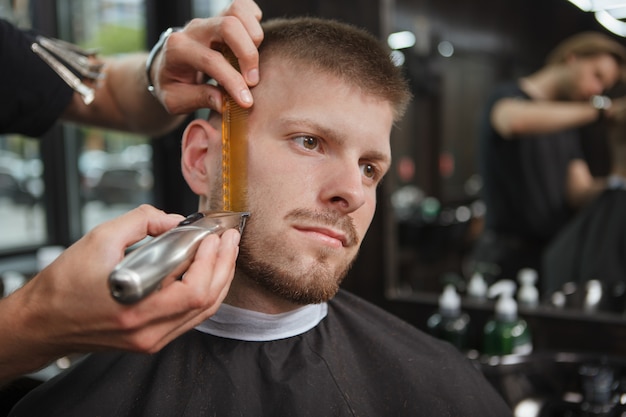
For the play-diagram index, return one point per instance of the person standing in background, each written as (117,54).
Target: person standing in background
(531,161)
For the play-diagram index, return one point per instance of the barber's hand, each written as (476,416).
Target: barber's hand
(68,308)
(617,111)
(189,56)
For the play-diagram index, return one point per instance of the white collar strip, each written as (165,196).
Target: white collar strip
(241,324)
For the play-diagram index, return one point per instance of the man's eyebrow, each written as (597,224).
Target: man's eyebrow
(312,126)
(316,128)
(378,157)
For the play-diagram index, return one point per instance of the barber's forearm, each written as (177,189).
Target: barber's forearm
(122,101)
(19,352)
(516,118)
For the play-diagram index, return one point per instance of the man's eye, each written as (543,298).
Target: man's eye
(307,142)
(369,170)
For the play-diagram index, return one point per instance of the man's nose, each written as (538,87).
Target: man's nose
(343,187)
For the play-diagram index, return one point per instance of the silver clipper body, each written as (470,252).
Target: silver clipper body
(169,254)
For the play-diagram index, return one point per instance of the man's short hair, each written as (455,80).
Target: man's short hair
(588,44)
(340,49)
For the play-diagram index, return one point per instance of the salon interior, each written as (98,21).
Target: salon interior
(55,188)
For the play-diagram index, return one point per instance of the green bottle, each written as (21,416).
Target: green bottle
(449,323)
(506,333)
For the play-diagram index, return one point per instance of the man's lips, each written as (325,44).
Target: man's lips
(324,231)
(335,229)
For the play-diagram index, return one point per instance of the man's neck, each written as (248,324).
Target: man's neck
(247,294)
(539,86)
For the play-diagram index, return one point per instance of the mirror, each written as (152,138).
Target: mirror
(433,193)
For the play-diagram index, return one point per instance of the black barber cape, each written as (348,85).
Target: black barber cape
(358,361)
(591,247)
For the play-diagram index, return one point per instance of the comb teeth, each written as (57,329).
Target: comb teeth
(234,150)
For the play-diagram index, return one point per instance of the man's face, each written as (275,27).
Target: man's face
(592,75)
(318,148)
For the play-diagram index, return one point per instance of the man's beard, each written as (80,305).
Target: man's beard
(275,267)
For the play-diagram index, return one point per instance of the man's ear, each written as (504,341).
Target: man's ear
(200,142)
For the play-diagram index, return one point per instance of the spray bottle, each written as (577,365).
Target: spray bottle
(506,333)
(449,322)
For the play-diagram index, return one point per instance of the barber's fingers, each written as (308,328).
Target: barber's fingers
(181,305)
(148,220)
(188,55)
(128,229)
(250,15)
(207,280)
(220,262)
(202,44)
(244,48)
(215,290)
(184,98)
(179,90)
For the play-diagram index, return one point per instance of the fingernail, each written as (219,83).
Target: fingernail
(246,97)
(212,102)
(253,76)
(235,239)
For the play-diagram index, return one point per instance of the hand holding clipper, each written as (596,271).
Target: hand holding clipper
(143,270)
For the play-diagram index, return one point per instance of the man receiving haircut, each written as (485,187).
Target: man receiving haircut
(287,341)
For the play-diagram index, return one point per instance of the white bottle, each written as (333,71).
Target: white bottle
(506,333)
(528,294)
(450,302)
(449,322)
(593,295)
(477,287)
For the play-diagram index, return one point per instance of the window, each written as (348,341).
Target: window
(22,211)
(56,188)
(114,168)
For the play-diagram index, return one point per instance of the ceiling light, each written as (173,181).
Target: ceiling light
(610,23)
(401,40)
(597,5)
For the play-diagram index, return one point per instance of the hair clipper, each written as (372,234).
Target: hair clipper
(169,254)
